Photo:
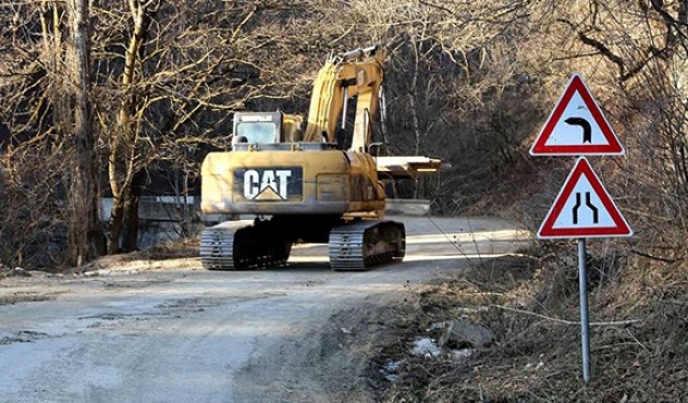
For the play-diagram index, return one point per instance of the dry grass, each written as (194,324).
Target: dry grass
(639,341)
(182,248)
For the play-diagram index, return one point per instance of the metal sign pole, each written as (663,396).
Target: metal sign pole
(585,324)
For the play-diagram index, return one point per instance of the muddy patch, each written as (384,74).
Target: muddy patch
(133,284)
(18,297)
(22,336)
(195,304)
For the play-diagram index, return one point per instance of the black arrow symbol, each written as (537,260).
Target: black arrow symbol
(595,212)
(576,207)
(588,203)
(587,130)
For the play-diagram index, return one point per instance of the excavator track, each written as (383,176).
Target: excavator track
(361,245)
(237,245)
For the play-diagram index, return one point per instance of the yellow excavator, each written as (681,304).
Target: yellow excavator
(306,186)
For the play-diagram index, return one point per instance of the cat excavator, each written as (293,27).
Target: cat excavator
(307,186)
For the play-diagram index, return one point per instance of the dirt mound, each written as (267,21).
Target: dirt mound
(174,252)
(639,343)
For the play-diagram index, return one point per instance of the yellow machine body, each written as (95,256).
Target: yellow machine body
(306,184)
(277,168)
(298,180)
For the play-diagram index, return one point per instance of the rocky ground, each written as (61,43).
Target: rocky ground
(531,350)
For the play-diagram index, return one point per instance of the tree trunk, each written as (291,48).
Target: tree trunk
(130,220)
(124,145)
(417,48)
(130,224)
(116,215)
(84,231)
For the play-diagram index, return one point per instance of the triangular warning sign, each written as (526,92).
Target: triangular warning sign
(577,126)
(583,209)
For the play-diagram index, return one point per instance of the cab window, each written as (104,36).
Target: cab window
(257,132)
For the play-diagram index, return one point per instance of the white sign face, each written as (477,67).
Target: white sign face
(577,126)
(583,209)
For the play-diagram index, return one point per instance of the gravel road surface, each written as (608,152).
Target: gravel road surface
(173,332)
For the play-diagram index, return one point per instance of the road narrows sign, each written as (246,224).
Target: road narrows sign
(583,209)
(577,126)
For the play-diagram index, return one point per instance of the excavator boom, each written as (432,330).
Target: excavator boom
(357,73)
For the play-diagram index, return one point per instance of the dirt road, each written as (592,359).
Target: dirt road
(177,333)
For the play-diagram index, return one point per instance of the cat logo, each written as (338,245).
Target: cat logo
(269,184)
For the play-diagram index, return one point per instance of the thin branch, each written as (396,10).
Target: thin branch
(660,259)
(602,48)
(566,322)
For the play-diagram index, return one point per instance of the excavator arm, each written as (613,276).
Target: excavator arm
(356,73)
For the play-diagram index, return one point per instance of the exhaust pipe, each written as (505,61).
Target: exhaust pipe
(355,54)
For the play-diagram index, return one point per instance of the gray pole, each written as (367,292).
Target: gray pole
(585,324)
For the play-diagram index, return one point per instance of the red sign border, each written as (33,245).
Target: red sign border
(583,168)
(576,84)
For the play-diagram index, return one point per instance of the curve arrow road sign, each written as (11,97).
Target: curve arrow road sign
(577,126)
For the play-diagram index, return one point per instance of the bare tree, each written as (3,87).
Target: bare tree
(180,78)
(84,232)
(468,82)
(636,52)
(46,107)
(124,163)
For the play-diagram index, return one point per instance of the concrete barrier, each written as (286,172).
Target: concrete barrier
(160,208)
(162,218)
(410,207)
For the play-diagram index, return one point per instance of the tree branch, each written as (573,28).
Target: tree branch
(602,48)
(566,322)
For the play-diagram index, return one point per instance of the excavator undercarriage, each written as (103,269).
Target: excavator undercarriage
(353,245)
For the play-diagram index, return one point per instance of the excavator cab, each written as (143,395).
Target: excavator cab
(266,128)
